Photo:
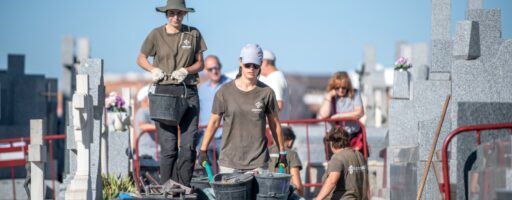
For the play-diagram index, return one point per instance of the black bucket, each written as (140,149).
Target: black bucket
(272,196)
(273,183)
(166,108)
(200,182)
(234,186)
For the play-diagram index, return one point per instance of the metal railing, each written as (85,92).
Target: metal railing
(445,186)
(21,162)
(305,122)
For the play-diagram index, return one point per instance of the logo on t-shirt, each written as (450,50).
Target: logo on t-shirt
(258,107)
(351,169)
(186,44)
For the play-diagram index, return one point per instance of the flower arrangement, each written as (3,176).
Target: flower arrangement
(402,64)
(114,103)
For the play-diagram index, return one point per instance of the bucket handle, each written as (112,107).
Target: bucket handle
(152,88)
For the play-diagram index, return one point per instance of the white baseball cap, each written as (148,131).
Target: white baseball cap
(268,55)
(251,53)
(143,93)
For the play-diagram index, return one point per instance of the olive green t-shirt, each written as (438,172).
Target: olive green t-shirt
(173,51)
(244,144)
(292,157)
(353,182)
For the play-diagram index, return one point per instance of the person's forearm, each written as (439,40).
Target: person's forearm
(280,136)
(209,133)
(325,109)
(143,62)
(325,191)
(280,105)
(296,181)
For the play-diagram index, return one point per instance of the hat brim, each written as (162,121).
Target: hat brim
(165,8)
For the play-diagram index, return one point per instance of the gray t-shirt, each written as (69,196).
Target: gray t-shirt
(244,144)
(353,182)
(173,51)
(292,158)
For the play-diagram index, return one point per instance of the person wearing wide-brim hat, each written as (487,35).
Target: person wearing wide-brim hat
(177,51)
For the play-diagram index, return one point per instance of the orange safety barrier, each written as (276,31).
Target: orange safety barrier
(445,186)
(306,122)
(21,162)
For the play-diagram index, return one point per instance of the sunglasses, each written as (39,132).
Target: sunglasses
(254,66)
(343,88)
(211,69)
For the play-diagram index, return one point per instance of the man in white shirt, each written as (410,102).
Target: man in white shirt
(276,80)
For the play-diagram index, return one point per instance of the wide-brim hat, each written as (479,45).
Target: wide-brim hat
(174,4)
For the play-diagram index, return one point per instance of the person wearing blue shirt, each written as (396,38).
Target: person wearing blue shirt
(207,92)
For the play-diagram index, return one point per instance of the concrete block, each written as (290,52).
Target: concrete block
(70,134)
(402,130)
(440,19)
(420,72)
(467,40)
(475,4)
(37,128)
(401,83)
(489,20)
(94,68)
(431,188)
(427,130)
(79,101)
(82,51)
(440,76)
(82,84)
(67,46)
(469,113)
(420,54)
(118,147)
(403,185)
(36,153)
(370,57)
(404,154)
(15,64)
(442,55)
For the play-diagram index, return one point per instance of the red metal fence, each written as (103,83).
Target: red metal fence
(21,162)
(304,122)
(445,187)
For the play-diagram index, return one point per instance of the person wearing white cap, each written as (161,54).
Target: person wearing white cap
(177,51)
(277,81)
(245,105)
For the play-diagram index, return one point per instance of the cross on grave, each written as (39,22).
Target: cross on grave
(48,92)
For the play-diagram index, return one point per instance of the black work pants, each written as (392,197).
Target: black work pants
(178,163)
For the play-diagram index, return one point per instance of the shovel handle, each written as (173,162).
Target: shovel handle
(281,168)
(208,170)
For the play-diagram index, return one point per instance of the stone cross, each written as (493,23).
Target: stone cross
(37,157)
(80,187)
(94,69)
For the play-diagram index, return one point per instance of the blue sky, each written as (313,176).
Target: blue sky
(308,37)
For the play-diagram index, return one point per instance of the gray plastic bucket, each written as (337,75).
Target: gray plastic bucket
(273,183)
(233,186)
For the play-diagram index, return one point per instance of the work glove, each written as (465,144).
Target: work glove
(203,157)
(282,160)
(157,74)
(179,75)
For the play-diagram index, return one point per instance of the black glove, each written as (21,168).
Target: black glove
(203,157)
(282,160)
